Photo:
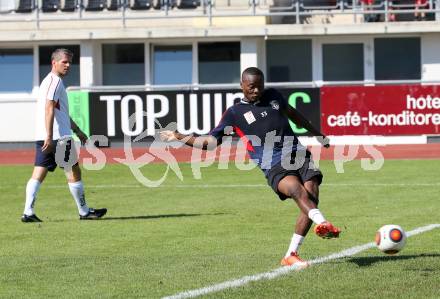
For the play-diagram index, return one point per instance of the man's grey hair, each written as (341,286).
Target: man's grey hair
(57,55)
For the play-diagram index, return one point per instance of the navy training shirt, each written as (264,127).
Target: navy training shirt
(263,127)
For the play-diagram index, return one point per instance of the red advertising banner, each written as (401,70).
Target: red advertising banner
(380,110)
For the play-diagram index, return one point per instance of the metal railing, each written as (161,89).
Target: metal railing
(299,10)
(191,87)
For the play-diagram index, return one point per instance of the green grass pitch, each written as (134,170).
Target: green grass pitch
(190,234)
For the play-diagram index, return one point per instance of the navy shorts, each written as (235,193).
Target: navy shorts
(63,155)
(305,173)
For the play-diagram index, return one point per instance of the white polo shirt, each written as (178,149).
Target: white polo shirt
(52,89)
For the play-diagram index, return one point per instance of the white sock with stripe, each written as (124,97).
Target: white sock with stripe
(32,188)
(77,191)
(316,216)
(295,243)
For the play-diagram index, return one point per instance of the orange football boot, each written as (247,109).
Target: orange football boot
(326,230)
(294,259)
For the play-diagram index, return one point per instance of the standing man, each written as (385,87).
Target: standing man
(54,145)
(261,120)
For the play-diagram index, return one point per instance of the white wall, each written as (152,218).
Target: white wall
(89,62)
(17,120)
(8,5)
(430,56)
(252,53)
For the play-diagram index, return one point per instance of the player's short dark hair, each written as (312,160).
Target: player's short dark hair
(253,71)
(57,54)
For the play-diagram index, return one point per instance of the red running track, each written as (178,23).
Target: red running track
(417,151)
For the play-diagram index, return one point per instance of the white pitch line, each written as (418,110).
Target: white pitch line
(284,270)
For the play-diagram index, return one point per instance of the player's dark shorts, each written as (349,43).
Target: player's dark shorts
(63,154)
(305,173)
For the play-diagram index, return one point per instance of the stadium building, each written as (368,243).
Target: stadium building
(354,68)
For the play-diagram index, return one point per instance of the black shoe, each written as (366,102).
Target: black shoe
(93,214)
(31,218)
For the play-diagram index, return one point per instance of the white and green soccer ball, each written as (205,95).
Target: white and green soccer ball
(390,238)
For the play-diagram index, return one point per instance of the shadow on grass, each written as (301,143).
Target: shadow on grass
(370,260)
(139,217)
(158,216)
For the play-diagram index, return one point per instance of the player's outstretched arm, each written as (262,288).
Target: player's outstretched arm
(202,142)
(301,121)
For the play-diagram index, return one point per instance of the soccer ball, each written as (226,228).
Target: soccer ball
(390,238)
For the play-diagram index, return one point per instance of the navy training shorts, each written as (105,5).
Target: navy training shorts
(63,155)
(305,173)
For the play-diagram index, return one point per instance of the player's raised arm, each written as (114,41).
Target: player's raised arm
(203,142)
(301,121)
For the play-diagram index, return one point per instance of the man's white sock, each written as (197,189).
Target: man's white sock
(32,188)
(77,191)
(296,241)
(316,216)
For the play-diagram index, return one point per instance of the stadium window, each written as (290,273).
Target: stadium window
(123,64)
(219,62)
(16,70)
(45,53)
(343,62)
(397,58)
(172,64)
(289,60)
